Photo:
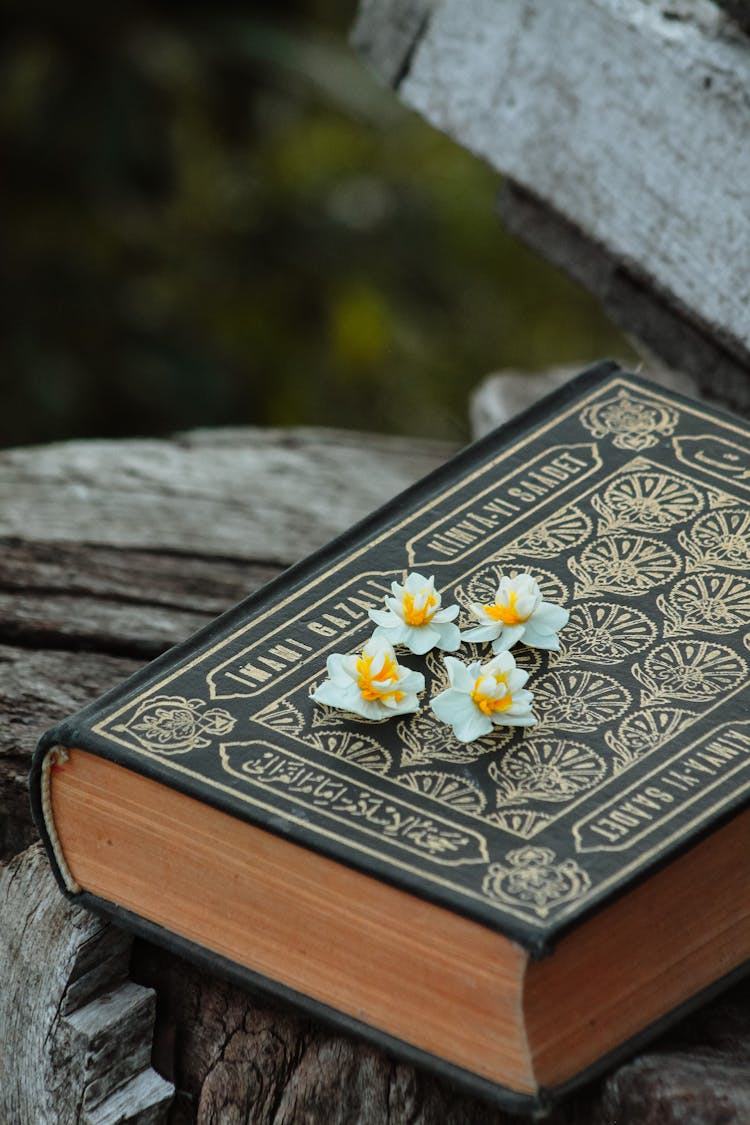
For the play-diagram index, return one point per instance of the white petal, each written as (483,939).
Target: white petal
(449,636)
(452,705)
(403,706)
(326,693)
(459,675)
(549,618)
(525,605)
(421,639)
(394,634)
(481,633)
(450,613)
(508,720)
(473,726)
(414,582)
(347,668)
(509,636)
(540,640)
(345,698)
(384,617)
(501,664)
(411,682)
(516,679)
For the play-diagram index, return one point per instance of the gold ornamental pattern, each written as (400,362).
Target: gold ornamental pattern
(646,502)
(716,604)
(534,880)
(693,671)
(423,739)
(630,420)
(718,540)
(630,597)
(630,565)
(543,769)
(604,633)
(578,701)
(645,731)
(360,750)
(172,724)
(563,531)
(457,793)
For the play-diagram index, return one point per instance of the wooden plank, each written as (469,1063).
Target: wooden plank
(263,496)
(75,1031)
(112,551)
(623,119)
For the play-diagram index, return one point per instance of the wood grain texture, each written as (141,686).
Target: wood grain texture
(76,1033)
(622,117)
(112,551)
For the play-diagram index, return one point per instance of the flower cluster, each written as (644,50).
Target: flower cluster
(481,696)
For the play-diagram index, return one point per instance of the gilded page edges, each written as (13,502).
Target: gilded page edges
(55,757)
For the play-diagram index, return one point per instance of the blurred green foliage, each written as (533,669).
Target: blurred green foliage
(215,217)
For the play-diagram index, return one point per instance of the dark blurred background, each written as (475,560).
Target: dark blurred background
(214,215)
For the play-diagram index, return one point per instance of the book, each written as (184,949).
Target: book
(516,912)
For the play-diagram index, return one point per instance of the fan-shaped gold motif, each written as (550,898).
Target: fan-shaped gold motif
(644,731)
(695,671)
(646,502)
(575,700)
(425,739)
(281,716)
(520,822)
(604,633)
(706,603)
(629,565)
(358,749)
(719,539)
(561,532)
(544,769)
(456,793)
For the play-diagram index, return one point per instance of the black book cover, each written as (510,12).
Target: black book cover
(632,508)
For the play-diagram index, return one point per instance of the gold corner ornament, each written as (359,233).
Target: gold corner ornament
(172,724)
(633,422)
(533,882)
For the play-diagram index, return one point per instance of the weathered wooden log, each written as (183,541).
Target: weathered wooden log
(236,1057)
(619,125)
(76,1033)
(92,580)
(112,551)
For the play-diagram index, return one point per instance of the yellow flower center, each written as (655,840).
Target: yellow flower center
(506,613)
(387,674)
(421,616)
(487,703)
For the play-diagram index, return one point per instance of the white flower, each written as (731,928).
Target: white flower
(413,617)
(518,614)
(373,685)
(484,696)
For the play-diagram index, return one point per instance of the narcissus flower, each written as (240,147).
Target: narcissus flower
(518,614)
(373,684)
(413,617)
(483,696)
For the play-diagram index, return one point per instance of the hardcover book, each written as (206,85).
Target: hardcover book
(515,912)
